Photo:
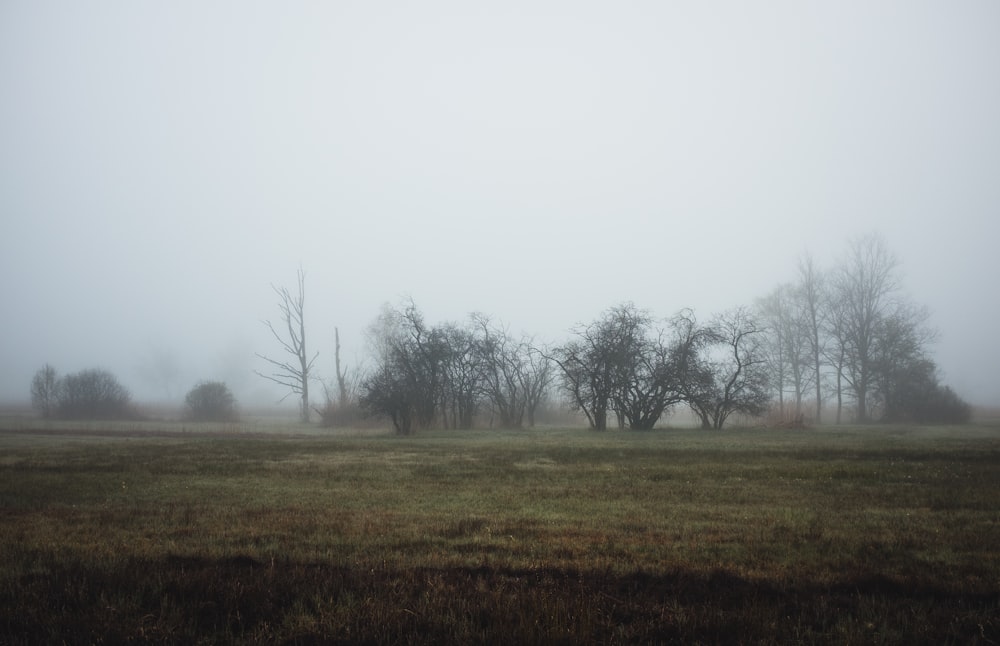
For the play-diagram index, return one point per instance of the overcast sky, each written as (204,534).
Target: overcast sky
(162,163)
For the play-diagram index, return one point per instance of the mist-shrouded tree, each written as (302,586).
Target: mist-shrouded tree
(406,384)
(45,391)
(588,368)
(647,379)
(878,333)
(93,394)
(538,375)
(295,372)
(211,401)
(341,405)
(730,374)
(865,285)
(836,348)
(773,312)
(811,295)
(461,361)
(514,376)
(621,363)
(785,346)
(917,396)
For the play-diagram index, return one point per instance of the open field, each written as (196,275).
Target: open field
(204,534)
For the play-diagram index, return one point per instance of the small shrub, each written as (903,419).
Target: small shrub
(211,401)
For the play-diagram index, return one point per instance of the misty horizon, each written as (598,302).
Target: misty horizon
(164,166)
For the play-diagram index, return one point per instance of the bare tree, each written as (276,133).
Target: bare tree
(810,291)
(866,286)
(340,406)
(786,346)
(461,375)
(836,350)
(293,373)
(773,311)
(589,366)
(45,391)
(408,380)
(514,375)
(622,363)
(538,375)
(733,380)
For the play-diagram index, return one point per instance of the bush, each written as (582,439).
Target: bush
(92,394)
(211,401)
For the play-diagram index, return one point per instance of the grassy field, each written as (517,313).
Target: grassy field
(215,534)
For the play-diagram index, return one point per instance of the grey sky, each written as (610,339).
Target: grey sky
(162,163)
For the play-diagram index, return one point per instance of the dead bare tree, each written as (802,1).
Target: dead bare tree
(293,373)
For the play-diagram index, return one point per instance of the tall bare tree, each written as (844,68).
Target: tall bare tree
(773,312)
(295,372)
(810,291)
(866,287)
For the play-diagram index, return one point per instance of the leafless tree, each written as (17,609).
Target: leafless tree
(589,364)
(461,375)
(733,378)
(773,312)
(785,344)
(45,391)
(295,372)
(837,346)
(866,289)
(407,382)
(538,376)
(514,375)
(811,295)
(341,395)
(624,364)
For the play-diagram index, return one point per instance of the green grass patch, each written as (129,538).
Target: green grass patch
(834,535)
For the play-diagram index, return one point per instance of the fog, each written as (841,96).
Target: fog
(163,164)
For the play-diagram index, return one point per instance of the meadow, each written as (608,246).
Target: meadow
(200,534)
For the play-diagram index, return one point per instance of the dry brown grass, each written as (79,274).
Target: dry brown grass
(767,536)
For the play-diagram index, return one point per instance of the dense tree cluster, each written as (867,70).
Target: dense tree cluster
(626,365)
(448,374)
(851,334)
(88,394)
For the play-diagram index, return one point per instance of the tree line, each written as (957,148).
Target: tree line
(846,335)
